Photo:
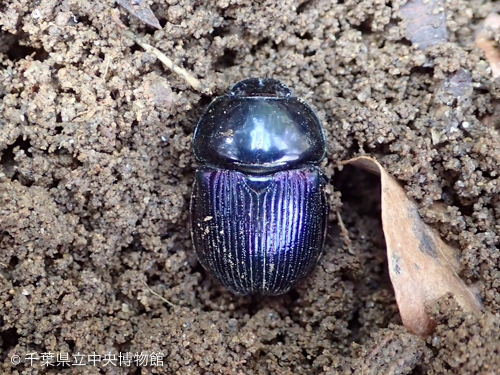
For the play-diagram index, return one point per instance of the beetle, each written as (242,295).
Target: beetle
(259,207)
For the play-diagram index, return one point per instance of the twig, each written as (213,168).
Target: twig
(345,233)
(108,60)
(157,295)
(379,346)
(188,77)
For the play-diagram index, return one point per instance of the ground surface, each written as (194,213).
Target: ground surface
(96,171)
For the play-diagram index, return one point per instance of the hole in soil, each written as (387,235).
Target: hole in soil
(54,184)
(259,45)
(198,268)
(134,125)
(221,31)
(13,262)
(404,42)
(193,115)
(153,279)
(307,36)
(60,298)
(115,94)
(419,370)
(361,213)
(55,68)
(18,52)
(361,189)
(280,338)
(81,19)
(150,30)
(135,48)
(302,7)
(71,344)
(8,339)
(307,358)
(354,326)
(293,294)
(205,101)
(225,61)
(124,346)
(8,155)
(365,27)
(421,70)
(163,22)
(466,210)
(67,159)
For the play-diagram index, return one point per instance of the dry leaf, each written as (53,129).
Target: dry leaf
(141,10)
(487,45)
(425,22)
(422,267)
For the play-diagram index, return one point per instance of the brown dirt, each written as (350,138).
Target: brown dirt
(96,171)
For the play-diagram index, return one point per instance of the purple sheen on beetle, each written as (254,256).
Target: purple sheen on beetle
(259,236)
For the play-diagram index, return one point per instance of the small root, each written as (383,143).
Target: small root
(188,77)
(157,295)
(377,349)
(345,234)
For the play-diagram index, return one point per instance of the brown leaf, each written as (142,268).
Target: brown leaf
(488,45)
(141,10)
(425,22)
(422,267)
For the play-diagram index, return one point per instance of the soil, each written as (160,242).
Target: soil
(96,171)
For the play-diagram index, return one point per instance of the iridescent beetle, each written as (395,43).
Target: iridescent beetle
(258,208)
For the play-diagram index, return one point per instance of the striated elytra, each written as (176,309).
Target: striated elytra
(258,208)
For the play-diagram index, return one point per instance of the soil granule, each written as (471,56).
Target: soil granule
(96,171)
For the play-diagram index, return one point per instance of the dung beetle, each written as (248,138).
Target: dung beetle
(258,207)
